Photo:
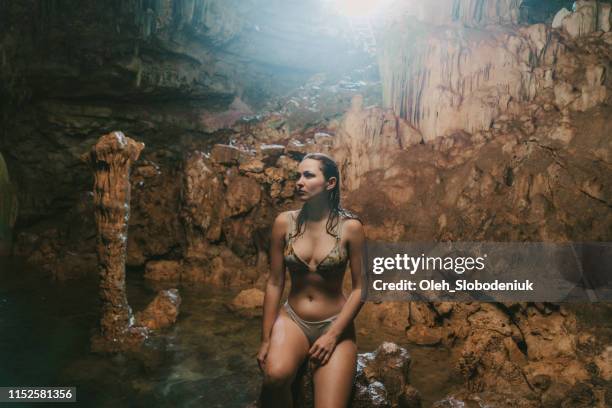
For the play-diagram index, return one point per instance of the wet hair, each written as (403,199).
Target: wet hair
(329,168)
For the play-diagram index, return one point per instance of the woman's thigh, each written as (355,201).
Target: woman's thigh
(333,382)
(288,348)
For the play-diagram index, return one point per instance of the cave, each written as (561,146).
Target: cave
(147,147)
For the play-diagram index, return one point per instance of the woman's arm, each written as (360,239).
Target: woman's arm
(355,239)
(275,285)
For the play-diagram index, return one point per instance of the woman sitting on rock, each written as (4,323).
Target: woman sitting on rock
(316,322)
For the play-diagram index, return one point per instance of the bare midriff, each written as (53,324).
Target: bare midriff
(315,297)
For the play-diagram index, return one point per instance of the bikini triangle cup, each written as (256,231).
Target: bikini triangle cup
(329,261)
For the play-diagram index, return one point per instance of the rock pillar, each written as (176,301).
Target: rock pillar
(111,159)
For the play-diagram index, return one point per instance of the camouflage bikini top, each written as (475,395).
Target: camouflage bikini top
(335,260)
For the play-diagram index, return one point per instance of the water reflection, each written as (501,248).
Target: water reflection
(206,359)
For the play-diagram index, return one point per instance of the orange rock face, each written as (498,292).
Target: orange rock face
(161,312)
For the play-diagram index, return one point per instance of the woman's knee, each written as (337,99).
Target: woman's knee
(277,376)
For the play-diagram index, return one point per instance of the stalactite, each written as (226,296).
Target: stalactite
(443,79)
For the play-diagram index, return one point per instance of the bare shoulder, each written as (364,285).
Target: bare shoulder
(281,222)
(353,228)
(282,219)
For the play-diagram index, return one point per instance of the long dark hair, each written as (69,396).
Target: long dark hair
(329,169)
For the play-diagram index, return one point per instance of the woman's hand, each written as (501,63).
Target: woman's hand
(322,349)
(262,354)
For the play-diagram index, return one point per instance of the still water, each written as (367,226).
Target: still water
(206,360)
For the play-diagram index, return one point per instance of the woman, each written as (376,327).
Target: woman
(314,244)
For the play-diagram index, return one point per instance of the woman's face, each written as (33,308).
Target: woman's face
(312,182)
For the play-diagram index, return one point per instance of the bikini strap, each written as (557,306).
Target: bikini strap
(291,227)
(339,227)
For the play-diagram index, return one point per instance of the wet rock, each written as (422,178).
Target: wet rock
(289,165)
(248,303)
(604,364)
(323,138)
(242,194)
(381,380)
(252,166)
(203,206)
(449,402)
(111,159)
(218,266)
(161,312)
(296,148)
(272,150)
(238,233)
(390,365)
(392,316)
(410,398)
(225,154)
(163,270)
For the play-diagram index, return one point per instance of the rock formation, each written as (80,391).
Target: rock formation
(161,312)
(468,12)
(111,160)
(382,380)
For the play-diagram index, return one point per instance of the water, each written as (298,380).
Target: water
(206,360)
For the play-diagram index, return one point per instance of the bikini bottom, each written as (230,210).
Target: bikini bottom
(312,330)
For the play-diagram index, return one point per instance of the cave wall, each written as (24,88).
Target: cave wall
(490,131)
(171,73)
(442,77)
(168,74)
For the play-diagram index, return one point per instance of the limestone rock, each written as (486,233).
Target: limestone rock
(449,402)
(252,166)
(163,270)
(558,19)
(604,364)
(296,148)
(272,150)
(238,233)
(161,312)
(564,94)
(563,133)
(594,92)
(442,81)
(323,138)
(203,207)
(248,302)
(469,12)
(242,194)
(365,139)
(604,16)
(583,20)
(225,154)
(381,380)
(389,364)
